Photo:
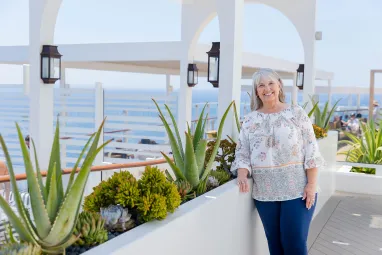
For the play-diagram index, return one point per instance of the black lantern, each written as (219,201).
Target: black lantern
(50,64)
(300,77)
(213,64)
(192,75)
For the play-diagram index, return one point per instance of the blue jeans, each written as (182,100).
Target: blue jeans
(286,225)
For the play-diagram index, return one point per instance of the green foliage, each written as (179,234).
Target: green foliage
(152,197)
(121,188)
(157,195)
(221,176)
(185,190)
(189,165)
(20,249)
(365,149)
(90,228)
(322,119)
(225,155)
(54,211)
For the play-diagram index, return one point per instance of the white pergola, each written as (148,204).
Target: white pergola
(164,57)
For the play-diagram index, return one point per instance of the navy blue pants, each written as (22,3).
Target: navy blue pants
(286,225)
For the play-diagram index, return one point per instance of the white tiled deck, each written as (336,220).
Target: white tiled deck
(348,224)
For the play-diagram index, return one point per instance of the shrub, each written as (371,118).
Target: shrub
(157,195)
(121,188)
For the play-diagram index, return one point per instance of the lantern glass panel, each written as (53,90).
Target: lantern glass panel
(196,77)
(190,77)
(45,67)
(55,68)
(213,69)
(300,78)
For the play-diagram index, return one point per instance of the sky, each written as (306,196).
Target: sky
(351,45)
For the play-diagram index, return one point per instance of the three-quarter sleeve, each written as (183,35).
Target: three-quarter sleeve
(313,156)
(242,153)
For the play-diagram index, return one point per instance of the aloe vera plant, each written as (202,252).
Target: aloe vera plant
(189,165)
(55,212)
(366,148)
(322,119)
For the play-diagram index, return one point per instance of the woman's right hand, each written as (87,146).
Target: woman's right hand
(242,180)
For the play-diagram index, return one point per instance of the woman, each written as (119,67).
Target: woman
(278,148)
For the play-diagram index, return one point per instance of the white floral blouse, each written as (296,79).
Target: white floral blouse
(277,148)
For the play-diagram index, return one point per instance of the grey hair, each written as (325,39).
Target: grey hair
(256,102)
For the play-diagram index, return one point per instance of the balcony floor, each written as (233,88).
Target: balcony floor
(348,224)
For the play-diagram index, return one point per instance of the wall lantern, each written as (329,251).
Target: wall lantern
(213,64)
(192,75)
(300,77)
(50,64)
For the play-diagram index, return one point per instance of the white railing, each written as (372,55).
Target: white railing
(76,111)
(14,107)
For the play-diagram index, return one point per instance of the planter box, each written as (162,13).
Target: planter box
(222,221)
(218,222)
(347,181)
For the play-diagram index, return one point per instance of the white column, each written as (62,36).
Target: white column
(294,90)
(169,88)
(358,100)
(41,95)
(309,74)
(63,78)
(231,35)
(184,97)
(26,82)
(330,93)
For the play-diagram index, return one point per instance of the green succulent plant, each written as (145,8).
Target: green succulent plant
(157,195)
(91,229)
(20,249)
(189,165)
(221,176)
(54,211)
(121,188)
(185,190)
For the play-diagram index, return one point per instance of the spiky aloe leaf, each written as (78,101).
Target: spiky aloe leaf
(168,176)
(236,117)
(327,121)
(313,110)
(200,155)
(72,174)
(324,113)
(174,145)
(178,173)
(67,214)
(16,222)
(40,214)
(217,144)
(39,177)
(175,129)
(190,165)
(55,158)
(52,203)
(198,130)
(19,204)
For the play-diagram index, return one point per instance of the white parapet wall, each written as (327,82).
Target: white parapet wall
(222,222)
(347,181)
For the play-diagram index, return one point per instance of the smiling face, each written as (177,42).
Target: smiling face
(268,90)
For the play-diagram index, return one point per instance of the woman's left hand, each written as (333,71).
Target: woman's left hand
(309,195)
